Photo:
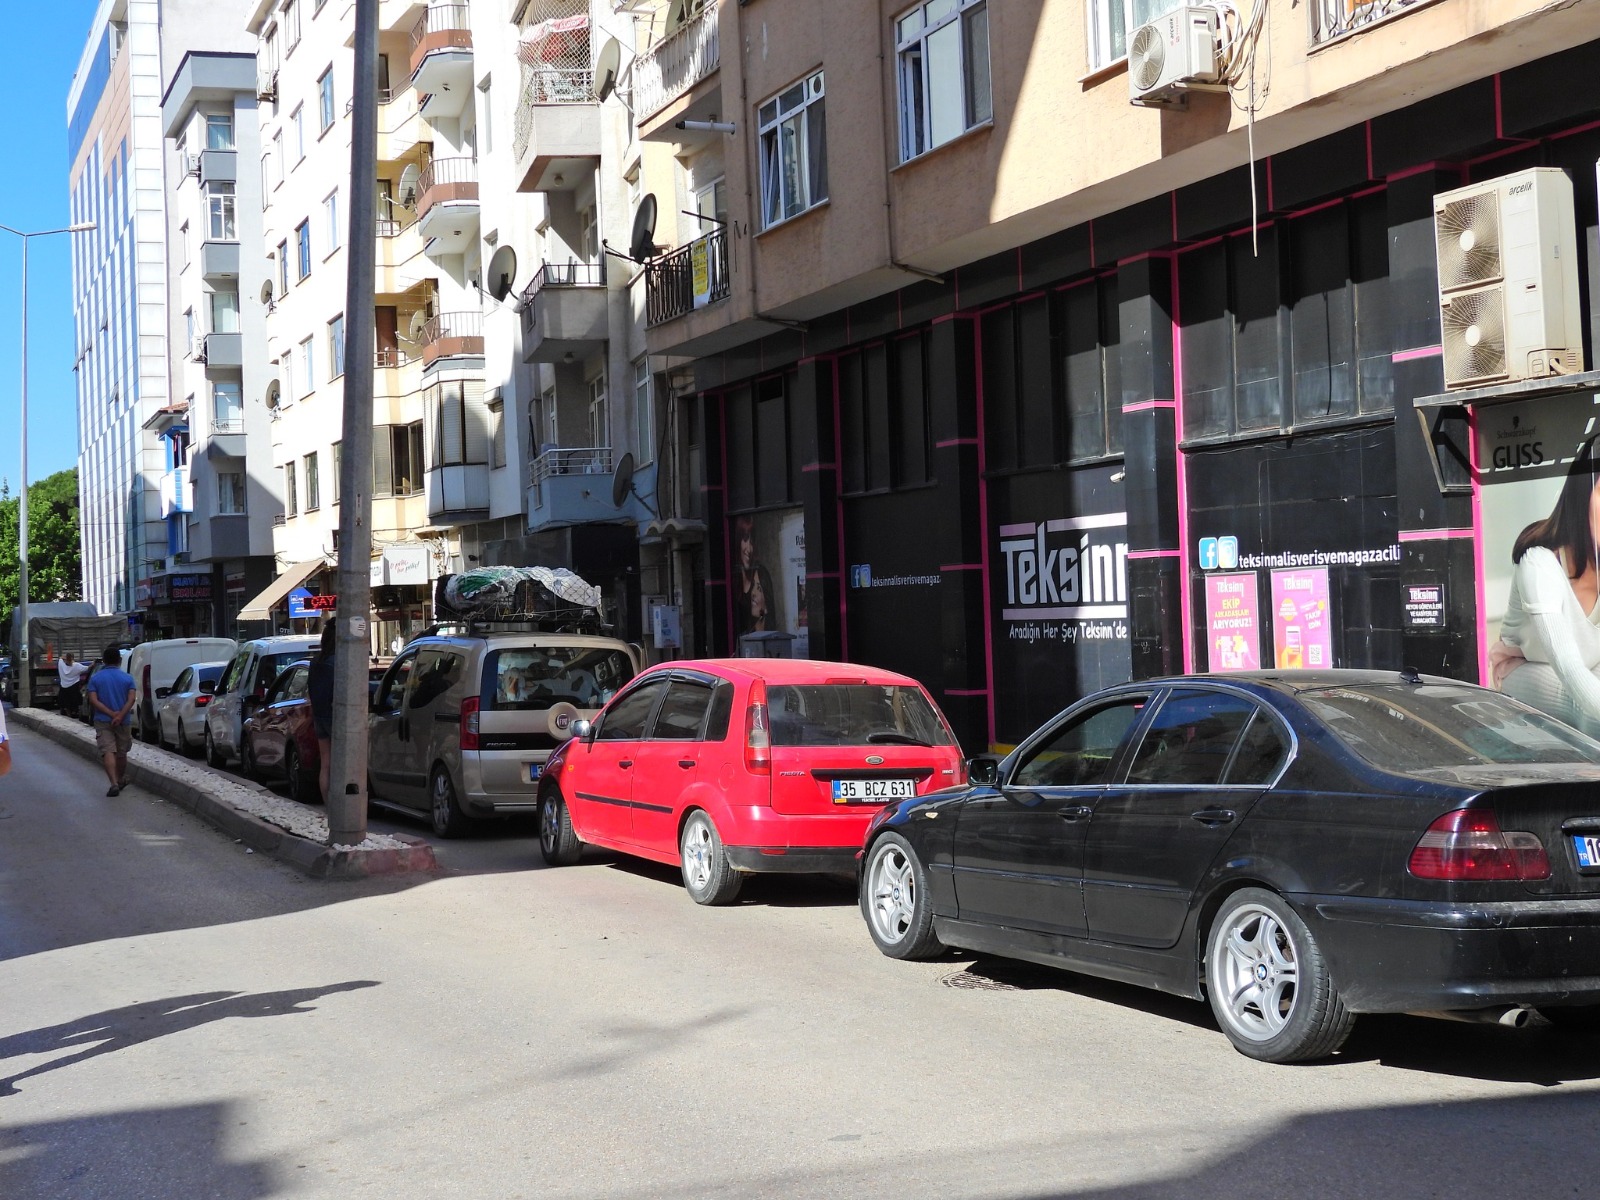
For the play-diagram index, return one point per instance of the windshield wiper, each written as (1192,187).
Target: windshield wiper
(895,736)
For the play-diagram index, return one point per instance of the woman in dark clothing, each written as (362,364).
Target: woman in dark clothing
(319,691)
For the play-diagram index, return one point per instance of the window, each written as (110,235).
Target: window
(626,719)
(291,26)
(461,423)
(599,415)
(302,237)
(227,406)
(338,466)
(291,494)
(224,312)
(794,165)
(219,211)
(219,131)
(397,459)
(1110,22)
(497,432)
(1190,740)
(313,483)
(325,98)
(486,109)
(277,157)
(266,178)
(336,347)
(183,242)
(299,119)
(189,326)
(644,417)
(283,268)
(308,369)
(943,50)
(330,212)
(683,712)
(230,493)
(1081,753)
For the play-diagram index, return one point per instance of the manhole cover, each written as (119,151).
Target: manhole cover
(967,981)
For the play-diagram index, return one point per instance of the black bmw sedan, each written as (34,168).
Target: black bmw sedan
(1295,846)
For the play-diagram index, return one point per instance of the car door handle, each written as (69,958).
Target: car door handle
(1214,816)
(1077,812)
(686,763)
(626,762)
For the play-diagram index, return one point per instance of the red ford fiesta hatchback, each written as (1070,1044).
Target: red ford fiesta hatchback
(732,766)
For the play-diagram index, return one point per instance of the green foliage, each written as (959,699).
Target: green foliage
(55,567)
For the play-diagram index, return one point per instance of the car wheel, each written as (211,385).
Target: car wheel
(247,760)
(448,819)
(1580,1018)
(302,783)
(183,745)
(894,900)
(214,757)
(707,873)
(148,733)
(558,841)
(1268,983)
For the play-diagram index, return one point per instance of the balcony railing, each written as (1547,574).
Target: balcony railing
(228,421)
(679,61)
(385,360)
(452,333)
(450,20)
(542,86)
(567,274)
(559,461)
(690,277)
(442,172)
(1334,19)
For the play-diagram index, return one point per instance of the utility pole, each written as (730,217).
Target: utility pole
(347,773)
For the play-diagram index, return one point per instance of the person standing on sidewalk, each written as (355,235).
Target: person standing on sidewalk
(71,673)
(110,691)
(319,691)
(5,743)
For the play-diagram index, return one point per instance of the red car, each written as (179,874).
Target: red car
(727,767)
(278,740)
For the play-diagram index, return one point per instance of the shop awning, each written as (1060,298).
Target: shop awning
(260,608)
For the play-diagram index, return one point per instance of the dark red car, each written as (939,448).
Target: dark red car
(278,740)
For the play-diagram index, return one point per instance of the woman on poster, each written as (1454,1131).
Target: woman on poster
(1548,654)
(753,600)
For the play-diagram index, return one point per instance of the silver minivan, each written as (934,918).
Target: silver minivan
(460,726)
(250,674)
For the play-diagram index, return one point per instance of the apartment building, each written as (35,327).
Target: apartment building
(116,174)
(1023,388)
(217,498)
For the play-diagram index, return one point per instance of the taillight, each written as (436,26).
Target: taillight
(202,700)
(757,738)
(469,723)
(1468,844)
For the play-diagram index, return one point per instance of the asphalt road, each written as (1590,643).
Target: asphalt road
(181,1019)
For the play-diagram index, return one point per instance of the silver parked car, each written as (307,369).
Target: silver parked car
(181,708)
(250,674)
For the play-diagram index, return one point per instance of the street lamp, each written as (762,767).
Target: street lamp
(22,667)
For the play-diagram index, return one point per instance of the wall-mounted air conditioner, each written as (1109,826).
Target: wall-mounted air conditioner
(1508,279)
(1175,50)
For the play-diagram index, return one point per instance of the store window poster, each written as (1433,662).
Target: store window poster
(1233,622)
(1302,629)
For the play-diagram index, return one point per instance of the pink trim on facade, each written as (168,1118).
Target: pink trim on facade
(983,526)
(964,691)
(1144,404)
(838,517)
(1433,535)
(977,566)
(815,467)
(1477,546)
(1418,352)
(1155,553)
(944,445)
(1185,599)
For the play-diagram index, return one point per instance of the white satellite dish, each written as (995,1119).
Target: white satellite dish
(410,180)
(502,272)
(605,69)
(413,334)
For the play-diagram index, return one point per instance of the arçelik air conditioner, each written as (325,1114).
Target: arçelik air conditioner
(1177,48)
(1508,279)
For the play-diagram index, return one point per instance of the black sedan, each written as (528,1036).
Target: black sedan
(1297,847)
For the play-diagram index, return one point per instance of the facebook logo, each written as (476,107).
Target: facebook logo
(1209,550)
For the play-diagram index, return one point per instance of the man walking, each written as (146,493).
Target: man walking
(110,691)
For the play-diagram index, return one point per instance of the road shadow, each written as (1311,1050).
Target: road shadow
(765,890)
(134,1024)
(626,1045)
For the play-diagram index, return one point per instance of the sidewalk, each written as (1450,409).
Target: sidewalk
(290,832)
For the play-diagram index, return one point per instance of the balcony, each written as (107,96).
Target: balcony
(1335,19)
(570,486)
(557,135)
(441,59)
(447,205)
(452,335)
(564,312)
(673,66)
(690,277)
(457,493)
(219,260)
(223,355)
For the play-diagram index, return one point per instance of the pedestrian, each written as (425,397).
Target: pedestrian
(5,743)
(319,691)
(71,673)
(111,696)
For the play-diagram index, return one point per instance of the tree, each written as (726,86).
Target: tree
(55,564)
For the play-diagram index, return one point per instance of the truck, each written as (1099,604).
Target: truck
(55,627)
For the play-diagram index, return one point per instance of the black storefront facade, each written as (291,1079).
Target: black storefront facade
(1171,439)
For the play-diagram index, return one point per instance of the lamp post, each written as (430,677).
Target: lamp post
(22,666)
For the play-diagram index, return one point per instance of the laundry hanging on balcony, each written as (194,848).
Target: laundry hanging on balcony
(557,41)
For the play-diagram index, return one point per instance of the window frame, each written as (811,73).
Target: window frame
(231,492)
(325,100)
(911,54)
(335,346)
(313,474)
(771,143)
(330,212)
(222,211)
(291,488)
(302,241)
(222,121)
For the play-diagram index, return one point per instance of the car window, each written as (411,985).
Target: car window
(721,714)
(185,680)
(280,687)
(683,712)
(272,664)
(1262,751)
(853,714)
(1081,752)
(234,673)
(207,675)
(394,683)
(297,684)
(1189,739)
(625,720)
(436,672)
(522,678)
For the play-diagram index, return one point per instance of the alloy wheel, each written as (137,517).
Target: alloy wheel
(1254,963)
(891,885)
(697,854)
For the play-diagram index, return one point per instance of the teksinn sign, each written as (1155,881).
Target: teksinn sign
(1069,570)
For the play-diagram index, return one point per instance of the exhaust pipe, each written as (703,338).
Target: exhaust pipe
(1509,1016)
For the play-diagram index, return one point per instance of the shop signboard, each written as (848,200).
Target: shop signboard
(189,589)
(408,564)
(1425,606)
(1302,631)
(1233,622)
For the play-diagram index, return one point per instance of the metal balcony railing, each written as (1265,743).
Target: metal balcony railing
(575,460)
(390,358)
(452,325)
(442,171)
(442,18)
(228,421)
(690,277)
(677,62)
(567,274)
(1334,19)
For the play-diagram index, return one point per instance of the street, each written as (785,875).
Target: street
(181,1018)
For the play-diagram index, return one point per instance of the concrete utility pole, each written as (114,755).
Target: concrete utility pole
(347,773)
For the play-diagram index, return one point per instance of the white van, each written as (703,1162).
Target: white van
(154,665)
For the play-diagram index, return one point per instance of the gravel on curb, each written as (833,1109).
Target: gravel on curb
(266,822)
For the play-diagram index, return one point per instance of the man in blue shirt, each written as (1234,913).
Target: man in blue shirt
(110,691)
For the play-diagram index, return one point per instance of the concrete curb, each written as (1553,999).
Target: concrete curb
(146,770)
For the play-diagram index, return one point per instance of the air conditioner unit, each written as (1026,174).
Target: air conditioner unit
(1172,52)
(267,85)
(1508,279)
(197,348)
(191,164)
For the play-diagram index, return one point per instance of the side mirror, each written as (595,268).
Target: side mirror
(209,688)
(583,731)
(163,693)
(983,769)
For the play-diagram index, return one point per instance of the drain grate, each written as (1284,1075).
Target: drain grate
(967,981)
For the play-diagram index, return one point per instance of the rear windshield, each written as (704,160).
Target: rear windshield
(1418,728)
(520,679)
(854,714)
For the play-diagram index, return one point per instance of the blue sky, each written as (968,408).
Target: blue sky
(37,60)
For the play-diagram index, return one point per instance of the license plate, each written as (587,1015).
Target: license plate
(1588,850)
(872,791)
(533,772)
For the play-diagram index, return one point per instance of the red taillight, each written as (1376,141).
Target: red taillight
(1468,844)
(757,739)
(469,723)
(202,700)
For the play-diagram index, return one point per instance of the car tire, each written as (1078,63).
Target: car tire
(247,761)
(558,841)
(214,757)
(1580,1018)
(1268,983)
(443,808)
(149,733)
(707,874)
(182,744)
(302,784)
(895,900)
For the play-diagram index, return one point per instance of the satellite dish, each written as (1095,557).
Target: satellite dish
(274,395)
(640,245)
(622,485)
(413,334)
(677,13)
(502,272)
(266,292)
(410,179)
(605,69)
